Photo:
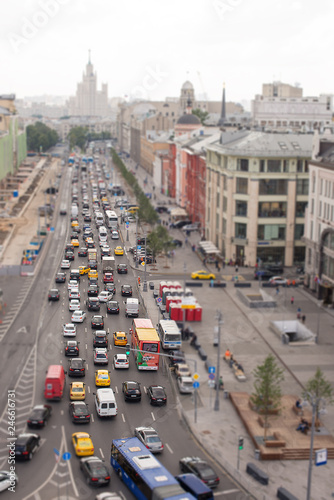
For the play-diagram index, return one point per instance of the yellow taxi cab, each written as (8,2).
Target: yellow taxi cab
(92,273)
(77,391)
(104,199)
(120,338)
(202,275)
(132,210)
(119,251)
(84,269)
(74,223)
(102,378)
(82,444)
(75,243)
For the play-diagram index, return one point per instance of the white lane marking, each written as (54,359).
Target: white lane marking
(226,492)
(92,417)
(169,448)
(88,389)
(145,389)
(101,452)
(123,418)
(116,389)
(153,417)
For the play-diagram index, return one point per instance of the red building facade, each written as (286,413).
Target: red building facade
(168,172)
(195,188)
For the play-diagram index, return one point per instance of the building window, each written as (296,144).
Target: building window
(312,206)
(302,186)
(321,185)
(224,226)
(300,208)
(271,232)
(285,166)
(225,182)
(314,183)
(242,164)
(299,231)
(300,165)
(240,230)
(262,165)
(225,162)
(320,208)
(218,200)
(311,230)
(242,185)
(273,186)
(241,208)
(217,222)
(272,209)
(224,203)
(218,176)
(309,256)
(273,166)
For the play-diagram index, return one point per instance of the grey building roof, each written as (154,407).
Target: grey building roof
(4,111)
(188,119)
(250,143)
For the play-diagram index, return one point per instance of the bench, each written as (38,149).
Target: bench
(239,375)
(298,411)
(278,442)
(258,474)
(284,494)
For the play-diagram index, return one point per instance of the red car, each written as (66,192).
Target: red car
(108,278)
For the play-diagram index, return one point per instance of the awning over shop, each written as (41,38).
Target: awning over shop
(208,247)
(178,213)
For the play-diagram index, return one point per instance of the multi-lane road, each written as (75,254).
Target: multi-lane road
(34,341)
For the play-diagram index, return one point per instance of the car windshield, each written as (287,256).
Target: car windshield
(153,439)
(76,363)
(205,471)
(158,393)
(80,410)
(76,389)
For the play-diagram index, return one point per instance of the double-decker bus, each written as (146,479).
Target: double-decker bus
(111,219)
(145,343)
(169,334)
(142,473)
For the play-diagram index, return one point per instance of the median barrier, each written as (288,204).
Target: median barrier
(194,283)
(242,284)
(219,284)
(284,494)
(258,474)
(202,354)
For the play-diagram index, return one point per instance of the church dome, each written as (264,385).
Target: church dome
(187,86)
(188,119)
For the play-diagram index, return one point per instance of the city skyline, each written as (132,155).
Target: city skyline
(148,50)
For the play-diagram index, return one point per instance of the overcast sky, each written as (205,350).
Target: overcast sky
(148,48)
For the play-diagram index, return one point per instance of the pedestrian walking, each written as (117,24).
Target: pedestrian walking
(223,264)
(216,264)
(299,312)
(277,290)
(292,300)
(186,241)
(211,282)
(236,268)
(218,267)
(303,318)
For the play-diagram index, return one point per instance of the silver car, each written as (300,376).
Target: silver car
(69,330)
(150,438)
(74,305)
(185,385)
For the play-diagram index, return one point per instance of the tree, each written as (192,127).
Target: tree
(202,115)
(318,390)
(39,136)
(78,137)
(267,395)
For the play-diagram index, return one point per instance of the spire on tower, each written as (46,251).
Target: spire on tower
(222,118)
(89,56)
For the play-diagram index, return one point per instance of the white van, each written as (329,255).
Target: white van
(102,231)
(99,221)
(132,307)
(105,403)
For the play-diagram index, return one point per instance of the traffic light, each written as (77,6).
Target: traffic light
(241,443)
(138,280)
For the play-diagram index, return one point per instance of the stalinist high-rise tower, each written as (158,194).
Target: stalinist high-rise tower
(89,101)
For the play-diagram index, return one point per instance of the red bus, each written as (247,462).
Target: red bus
(145,343)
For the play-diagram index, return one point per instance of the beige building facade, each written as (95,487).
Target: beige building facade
(256,196)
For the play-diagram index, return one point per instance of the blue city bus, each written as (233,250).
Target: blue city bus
(143,474)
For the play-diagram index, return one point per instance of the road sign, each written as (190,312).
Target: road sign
(66,455)
(195,376)
(121,208)
(212,369)
(212,376)
(159,300)
(127,225)
(143,264)
(321,457)
(196,385)
(138,247)
(211,383)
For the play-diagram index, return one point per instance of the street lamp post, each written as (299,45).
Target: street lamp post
(195,390)
(145,282)
(318,323)
(220,322)
(136,240)
(314,402)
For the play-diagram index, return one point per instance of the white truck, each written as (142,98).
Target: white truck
(132,307)
(74,210)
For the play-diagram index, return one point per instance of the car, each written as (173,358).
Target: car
(131,390)
(126,291)
(8,480)
(278,280)
(191,227)
(113,307)
(82,444)
(88,233)
(120,338)
(69,247)
(93,304)
(100,356)
(78,316)
(122,269)
(87,218)
(263,275)
(76,229)
(97,322)
(201,469)
(114,235)
(102,378)
(75,243)
(108,278)
(74,223)
(69,330)
(105,296)
(93,291)
(72,284)
(82,252)
(95,471)
(118,251)
(110,287)
(157,395)
(26,444)
(65,264)
(60,277)
(105,251)
(69,255)
(202,275)
(79,412)
(185,384)
(63,211)
(150,438)
(162,209)
(92,273)
(100,338)
(176,356)
(77,391)
(74,305)
(182,370)
(84,270)
(74,293)
(180,224)
(90,243)
(93,281)
(121,361)
(72,348)
(39,416)
(129,218)
(77,367)
(53,294)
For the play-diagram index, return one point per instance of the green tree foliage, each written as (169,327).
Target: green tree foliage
(78,137)
(267,390)
(39,136)
(320,391)
(202,115)
(101,136)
